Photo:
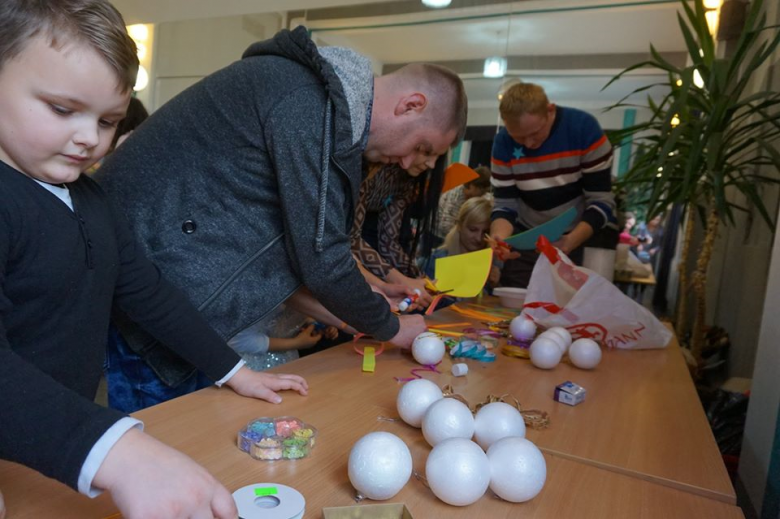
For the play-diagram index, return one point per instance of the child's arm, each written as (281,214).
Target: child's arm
(303,301)
(306,338)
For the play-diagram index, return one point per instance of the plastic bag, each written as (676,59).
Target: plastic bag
(563,294)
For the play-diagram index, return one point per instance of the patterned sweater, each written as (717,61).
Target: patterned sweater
(570,169)
(387,193)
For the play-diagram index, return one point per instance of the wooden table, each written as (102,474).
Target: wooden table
(634,286)
(638,447)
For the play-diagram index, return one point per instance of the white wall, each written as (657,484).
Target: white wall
(765,393)
(187,51)
(760,428)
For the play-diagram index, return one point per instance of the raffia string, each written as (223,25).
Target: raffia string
(533,418)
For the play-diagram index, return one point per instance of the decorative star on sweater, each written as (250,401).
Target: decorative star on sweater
(518,153)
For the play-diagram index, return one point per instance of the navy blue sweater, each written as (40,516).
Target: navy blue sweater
(59,272)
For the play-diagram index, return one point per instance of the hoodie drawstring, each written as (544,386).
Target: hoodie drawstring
(323,178)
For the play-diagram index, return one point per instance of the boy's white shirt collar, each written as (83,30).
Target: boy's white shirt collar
(60,192)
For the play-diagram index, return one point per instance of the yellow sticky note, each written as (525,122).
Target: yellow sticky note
(369,359)
(464,274)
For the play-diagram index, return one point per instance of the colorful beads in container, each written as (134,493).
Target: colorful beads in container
(277,438)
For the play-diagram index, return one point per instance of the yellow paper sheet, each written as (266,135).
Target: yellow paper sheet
(464,274)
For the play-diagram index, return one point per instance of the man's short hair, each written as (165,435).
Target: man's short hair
(445,91)
(94,22)
(521,99)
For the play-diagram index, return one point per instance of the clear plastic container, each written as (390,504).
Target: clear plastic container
(282,438)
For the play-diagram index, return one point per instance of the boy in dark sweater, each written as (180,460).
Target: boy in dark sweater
(67,68)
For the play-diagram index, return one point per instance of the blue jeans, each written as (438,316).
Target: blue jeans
(133,385)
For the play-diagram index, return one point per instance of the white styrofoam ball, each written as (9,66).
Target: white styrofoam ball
(545,353)
(428,348)
(495,421)
(447,418)
(380,464)
(414,398)
(517,469)
(563,333)
(585,353)
(458,471)
(557,339)
(522,328)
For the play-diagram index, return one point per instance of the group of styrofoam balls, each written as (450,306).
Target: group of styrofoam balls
(458,470)
(550,346)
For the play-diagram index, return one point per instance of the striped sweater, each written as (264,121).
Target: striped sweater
(570,169)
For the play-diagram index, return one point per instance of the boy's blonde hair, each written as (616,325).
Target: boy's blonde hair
(95,22)
(474,210)
(523,98)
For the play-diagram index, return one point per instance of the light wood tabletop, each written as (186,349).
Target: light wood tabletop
(638,447)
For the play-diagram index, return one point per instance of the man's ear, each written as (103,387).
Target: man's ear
(412,103)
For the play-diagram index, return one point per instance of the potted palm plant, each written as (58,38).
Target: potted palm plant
(709,139)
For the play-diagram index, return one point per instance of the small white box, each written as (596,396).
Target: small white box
(569,393)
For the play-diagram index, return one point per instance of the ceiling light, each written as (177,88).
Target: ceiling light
(436,4)
(139,32)
(142,80)
(495,66)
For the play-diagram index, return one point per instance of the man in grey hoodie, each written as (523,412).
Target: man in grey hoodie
(242,188)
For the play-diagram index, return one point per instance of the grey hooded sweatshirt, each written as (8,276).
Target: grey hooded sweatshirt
(242,188)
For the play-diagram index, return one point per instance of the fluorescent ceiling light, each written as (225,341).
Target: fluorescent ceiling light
(436,4)
(495,66)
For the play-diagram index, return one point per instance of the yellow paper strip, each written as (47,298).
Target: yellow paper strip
(369,359)
(446,332)
(474,314)
(452,325)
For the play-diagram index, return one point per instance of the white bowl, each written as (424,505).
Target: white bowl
(511,297)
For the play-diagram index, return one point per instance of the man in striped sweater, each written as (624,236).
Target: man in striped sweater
(546,159)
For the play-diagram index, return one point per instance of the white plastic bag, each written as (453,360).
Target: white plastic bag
(563,294)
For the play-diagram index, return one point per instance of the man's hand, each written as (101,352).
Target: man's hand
(579,235)
(149,480)
(411,327)
(501,229)
(260,385)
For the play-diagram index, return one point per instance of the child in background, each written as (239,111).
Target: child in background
(451,202)
(136,114)
(468,234)
(67,68)
(291,331)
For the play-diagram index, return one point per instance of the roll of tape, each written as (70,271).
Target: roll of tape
(269,501)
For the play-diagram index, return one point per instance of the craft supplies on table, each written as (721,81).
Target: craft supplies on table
(269,501)
(282,438)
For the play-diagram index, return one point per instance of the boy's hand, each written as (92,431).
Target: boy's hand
(411,327)
(307,337)
(149,480)
(2,507)
(263,385)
